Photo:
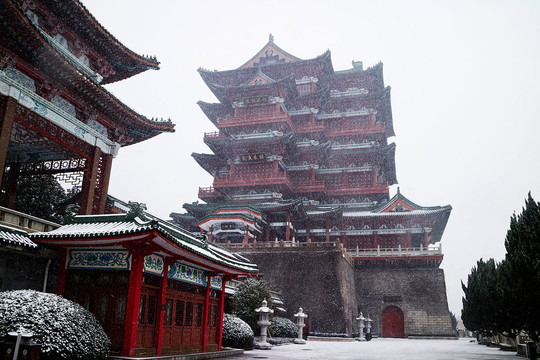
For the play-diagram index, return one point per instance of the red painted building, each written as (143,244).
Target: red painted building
(302,152)
(155,288)
(301,156)
(55,115)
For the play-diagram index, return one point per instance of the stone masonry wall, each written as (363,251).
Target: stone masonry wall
(419,292)
(321,281)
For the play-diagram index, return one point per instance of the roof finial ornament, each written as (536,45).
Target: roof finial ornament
(398,192)
(271,38)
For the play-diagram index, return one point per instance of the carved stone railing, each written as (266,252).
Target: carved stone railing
(25,222)
(398,252)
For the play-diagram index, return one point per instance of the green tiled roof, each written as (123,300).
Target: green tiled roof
(99,226)
(15,237)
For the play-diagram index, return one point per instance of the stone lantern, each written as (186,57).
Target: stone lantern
(368,328)
(300,316)
(361,327)
(264,321)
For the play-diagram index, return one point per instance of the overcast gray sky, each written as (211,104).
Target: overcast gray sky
(465,98)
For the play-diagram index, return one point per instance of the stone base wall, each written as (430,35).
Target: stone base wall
(321,281)
(420,293)
(332,291)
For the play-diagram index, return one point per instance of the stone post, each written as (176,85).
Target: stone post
(361,327)
(264,321)
(300,316)
(368,328)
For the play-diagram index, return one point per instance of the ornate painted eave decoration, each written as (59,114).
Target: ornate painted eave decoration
(270,54)
(31,40)
(125,62)
(105,230)
(15,237)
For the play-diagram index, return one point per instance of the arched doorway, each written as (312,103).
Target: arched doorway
(393,325)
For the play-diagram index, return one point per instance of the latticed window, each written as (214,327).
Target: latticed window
(333,181)
(360,179)
(304,89)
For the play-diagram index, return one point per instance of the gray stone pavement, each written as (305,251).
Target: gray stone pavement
(386,349)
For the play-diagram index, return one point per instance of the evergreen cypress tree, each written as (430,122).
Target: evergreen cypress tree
(523,261)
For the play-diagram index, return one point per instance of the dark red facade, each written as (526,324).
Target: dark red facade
(302,153)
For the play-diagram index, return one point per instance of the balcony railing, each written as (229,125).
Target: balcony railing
(24,221)
(208,192)
(252,180)
(398,252)
(254,120)
(314,186)
(342,189)
(378,128)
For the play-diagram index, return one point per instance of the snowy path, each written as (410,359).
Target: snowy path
(386,349)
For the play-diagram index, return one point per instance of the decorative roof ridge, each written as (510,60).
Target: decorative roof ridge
(270,43)
(401,197)
(326,55)
(149,60)
(98,87)
(284,80)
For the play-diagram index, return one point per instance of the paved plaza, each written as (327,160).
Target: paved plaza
(386,349)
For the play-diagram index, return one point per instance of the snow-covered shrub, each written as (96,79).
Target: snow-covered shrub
(69,331)
(282,327)
(249,296)
(236,333)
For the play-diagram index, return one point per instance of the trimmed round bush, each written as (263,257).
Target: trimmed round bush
(69,331)
(236,333)
(282,327)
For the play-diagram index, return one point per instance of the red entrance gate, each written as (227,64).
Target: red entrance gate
(393,325)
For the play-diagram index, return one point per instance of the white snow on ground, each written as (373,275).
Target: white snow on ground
(383,349)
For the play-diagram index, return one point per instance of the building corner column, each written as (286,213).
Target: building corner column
(132,307)
(89,183)
(207,303)
(161,310)
(7,119)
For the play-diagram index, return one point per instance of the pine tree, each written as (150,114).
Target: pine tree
(523,261)
(249,296)
(480,300)
(39,195)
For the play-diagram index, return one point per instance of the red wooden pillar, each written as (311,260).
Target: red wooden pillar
(327,230)
(308,238)
(374,177)
(224,279)
(61,280)
(105,177)
(275,168)
(426,240)
(11,185)
(409,240)
(89,183)
(132,307)
(7,119)
(161,310)
(246,235)
(288,228)
(211,233)
(207,303)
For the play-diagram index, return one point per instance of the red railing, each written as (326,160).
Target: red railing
(252,180)
(208,192)
(355,130)
(349,190)
(214,135)
(254,120)
(314,186)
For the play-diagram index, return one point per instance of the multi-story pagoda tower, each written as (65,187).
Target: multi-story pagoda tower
(55,115)
(301,157)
